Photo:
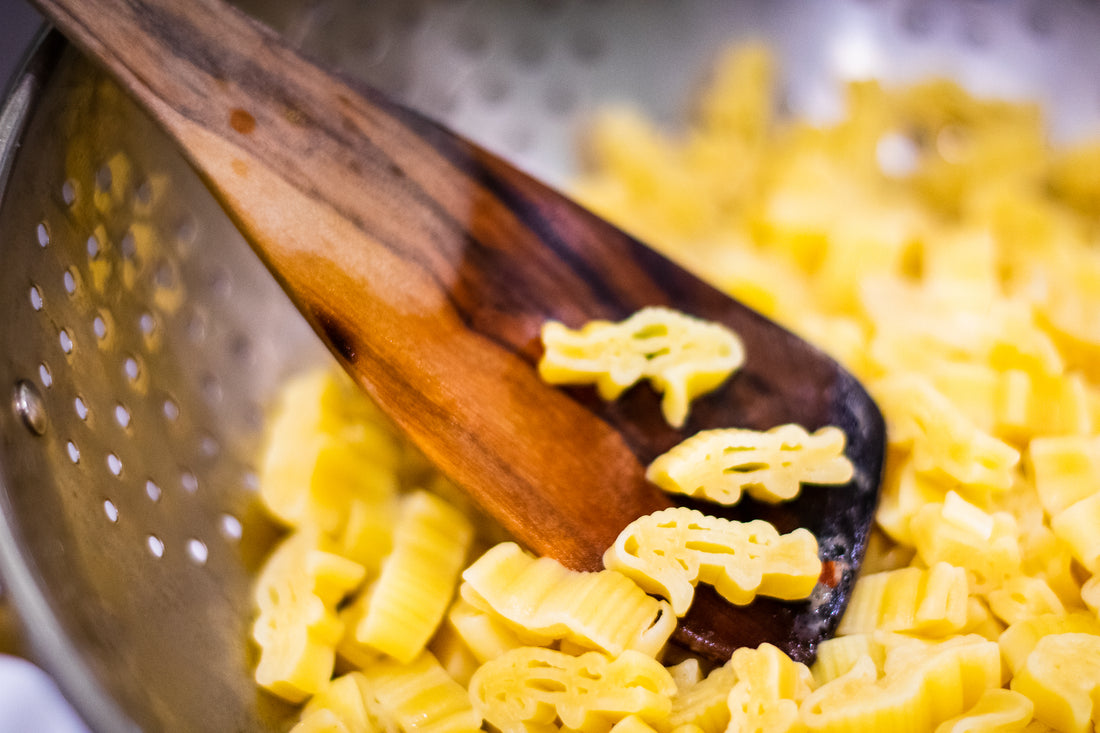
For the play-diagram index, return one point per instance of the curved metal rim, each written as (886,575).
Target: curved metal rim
(44,633)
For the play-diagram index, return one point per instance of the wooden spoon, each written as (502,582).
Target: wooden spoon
(429,265)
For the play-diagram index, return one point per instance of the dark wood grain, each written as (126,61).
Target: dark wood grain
(429,265)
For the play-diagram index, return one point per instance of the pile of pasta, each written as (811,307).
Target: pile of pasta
(938,247)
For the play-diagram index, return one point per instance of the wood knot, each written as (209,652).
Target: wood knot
(241,121)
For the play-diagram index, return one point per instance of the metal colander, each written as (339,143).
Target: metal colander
(143,341)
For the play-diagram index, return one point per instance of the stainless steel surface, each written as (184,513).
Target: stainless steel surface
(155,340)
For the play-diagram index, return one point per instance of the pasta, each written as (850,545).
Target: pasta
(771,465)
(681,356)
(401,611)
(543,601)
(529,689)
(964,295)
(1061,676)
(297,627)
(668,552)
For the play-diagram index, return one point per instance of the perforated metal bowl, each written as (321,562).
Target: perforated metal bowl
(141,340)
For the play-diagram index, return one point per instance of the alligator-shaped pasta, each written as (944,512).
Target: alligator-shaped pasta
(770,685)
(529,690)
(931,602)
(297,627)
(718,465)
(683,357)
(668,552)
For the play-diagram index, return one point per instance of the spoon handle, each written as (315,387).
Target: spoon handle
(426,264)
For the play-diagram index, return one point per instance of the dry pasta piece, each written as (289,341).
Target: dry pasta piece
(964,535)
(1022,597)
(718,465)
(837,656)
(943,439)
(486,634)
(704,704)
(532,688)
(932,602)
(1062,677)
(326,446)
(543,601)
(1036,405)
(905,491)
(668,552)
(997,711)
(633,724)
(399,613)
(770,686)
(297,627)
(683,357)
(1077,527)
(1065,469)
(419,696)
(338,707)
(1020,638)
(922,685)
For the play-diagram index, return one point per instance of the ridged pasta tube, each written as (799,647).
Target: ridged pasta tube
(718,465)
(704,704)
(683,357)
(532,689)
(543,601)
(399,613)
(922,686)
(420,697)
(668,552)
(931,602)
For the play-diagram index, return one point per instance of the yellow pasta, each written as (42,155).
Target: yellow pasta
(399,613)
(543,601)
(487,636)
(771,465)
(997,711)
(932,602)
(1024,597)
(338,707)
(943,439)
(1020,638)
(705,703)
(682,357)
(1061,676)
(964,535)
(768,691)
(670,551)
(532,688)
(297,627)
(326,447)
(922,686)
(419,696)
(1065,469)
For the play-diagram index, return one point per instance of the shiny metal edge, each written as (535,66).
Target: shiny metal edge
(43,636)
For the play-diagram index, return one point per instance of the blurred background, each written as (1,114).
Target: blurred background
(18,23)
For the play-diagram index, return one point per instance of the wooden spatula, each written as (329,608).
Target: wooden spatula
(429,265)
